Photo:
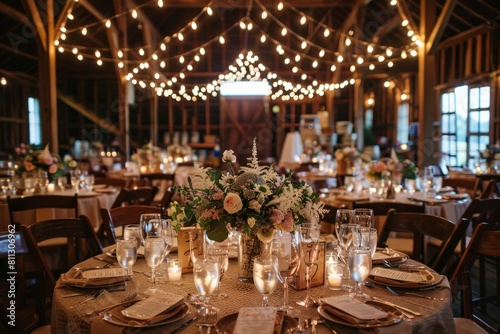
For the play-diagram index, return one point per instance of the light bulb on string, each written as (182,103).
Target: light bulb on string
(120,64)
(84,31)
(347,41)
(181,59)
(154,56)
(80,57)
(222,40)
(315,64)
(160,3)
(283,32)
(390,64)
(326,33)
(388,52)
(134,14)
(340,58)
(202,51)
(280,6)
(371,67)
(360,60)
(262,38)
(210,11)
(243,26)
(303,20)
(70,17)
(194,26)
(263,15)
(120,54)
(381,58)
(56,42)
(141,52)
(163,47)
(97,53)
(297,58)
(369,49)
(108,24)
(404,55)
(162,64)
(63,37)
(404,23)
(321,53)
(303,45)
(61,49)
(75,51)
(333,68)
(180,37)
(99,62)
(249,26)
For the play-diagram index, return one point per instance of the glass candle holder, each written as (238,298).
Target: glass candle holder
(174,270)
(334,271)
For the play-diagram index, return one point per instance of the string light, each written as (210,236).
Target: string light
(209,11)
(108,24)
(263,15)
(280,6)
(134,14)
(194,26)
(303,20)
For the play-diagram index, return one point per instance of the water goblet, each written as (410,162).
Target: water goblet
(132,231)
(206,278)
(61,182)
(360,264)
(348,234)
(286,251)
(154,252)
(146,228)
(75,183)
(29,185)
(222,258)
(308,240)
(343,216)
(363,217)
(6,185)
(265,278)
(126,255)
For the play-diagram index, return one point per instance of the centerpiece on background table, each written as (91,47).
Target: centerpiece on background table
(346,159)
(255,200)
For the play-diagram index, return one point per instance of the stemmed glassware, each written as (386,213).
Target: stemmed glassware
(286,251)
(154,253)
(343,216)
(133,231)
(265,276)
(206,277)
(126,255)
(308,238)
(363,217)
(348,234)
(150,224)
(222,258)
(6,185)
(360,264)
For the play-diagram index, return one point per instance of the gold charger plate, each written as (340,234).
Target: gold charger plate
(393,256)
(394,316)
(226,324)
(437,278)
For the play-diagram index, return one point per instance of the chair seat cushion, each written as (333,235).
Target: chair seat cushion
(468,326)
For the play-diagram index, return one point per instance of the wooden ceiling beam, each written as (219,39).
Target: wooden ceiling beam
(440,26)
(63,18)
(37,20)
(13,13)
(267,3)
(18,53)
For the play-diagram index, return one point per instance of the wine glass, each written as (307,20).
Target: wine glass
(6,185)
(360,264)
(286,250)
(126,255)
(343,216)
(206,277)
(363,217)
(308,238)
(154,252)
(149,227)
(265,278)
(346,238)
(222,258)
(133,231)
(75,183)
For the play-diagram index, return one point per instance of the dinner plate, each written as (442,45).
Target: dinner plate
(112,319)
(226,324)
(394,316)
(410,285)
(390,255)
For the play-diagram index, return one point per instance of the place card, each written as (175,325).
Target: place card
(403,276)
(104,273)
(354,307)
(255,320)
(153,305)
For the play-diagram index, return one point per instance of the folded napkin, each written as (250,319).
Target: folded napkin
(342,315)
(388,255)
(75,278)
(175,311)
(405,279)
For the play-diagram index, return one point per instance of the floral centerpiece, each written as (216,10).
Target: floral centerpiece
(408,169)
(346,158)
(381,169)
(256,200)
(41,160)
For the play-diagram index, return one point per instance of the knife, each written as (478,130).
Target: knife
(183,326)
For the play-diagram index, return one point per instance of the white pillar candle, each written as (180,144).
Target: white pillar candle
(174,271)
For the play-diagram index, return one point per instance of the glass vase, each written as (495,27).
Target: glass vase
(249,246)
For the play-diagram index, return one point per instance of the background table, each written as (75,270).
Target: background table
(436,315)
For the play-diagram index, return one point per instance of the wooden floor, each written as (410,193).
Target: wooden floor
(491,314)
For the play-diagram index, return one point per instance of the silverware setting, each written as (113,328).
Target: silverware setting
(407,293)
(127,300)
(94,296)
(407,267)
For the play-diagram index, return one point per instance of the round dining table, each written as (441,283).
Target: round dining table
(436,315)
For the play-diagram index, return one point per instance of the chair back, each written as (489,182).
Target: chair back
(484,242)
(381,208)
(150,178)
(137,196)
(328,221)
(121,216)
(167,198)
(34,281)
(421,226)
(18,204)
(463,185)
(484,211)
(82,239)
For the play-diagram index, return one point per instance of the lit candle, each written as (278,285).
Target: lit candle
(334,270)
(51,187)
(174,272)
(334,280)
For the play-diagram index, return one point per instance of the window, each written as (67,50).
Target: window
(465,124)
(403,123)
(34,120)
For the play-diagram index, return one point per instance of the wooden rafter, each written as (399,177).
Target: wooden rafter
(63,17)
(440,26)
(13,13)
(37,20)
(403,8)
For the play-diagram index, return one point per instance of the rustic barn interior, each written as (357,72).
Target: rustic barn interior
(417,77)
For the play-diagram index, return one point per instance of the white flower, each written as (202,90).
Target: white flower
(254,205)
(228,156)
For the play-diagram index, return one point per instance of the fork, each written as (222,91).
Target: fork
(94,296)
(407,293)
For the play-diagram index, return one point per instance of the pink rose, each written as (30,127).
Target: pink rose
(47,160)
(288,223)
(380,167)
(218,195)
(52,169)
(29,166)
(232,203)
(276,217)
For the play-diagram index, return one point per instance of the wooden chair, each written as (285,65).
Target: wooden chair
(150,178)
(463,185)
(422,226)
(19,204)
(121,216)
(82,241)
(113,182)
(136,196)
(34,282)
(167,198)
(484,242)
(328,221)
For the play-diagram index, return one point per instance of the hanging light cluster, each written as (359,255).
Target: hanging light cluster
(309,57)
